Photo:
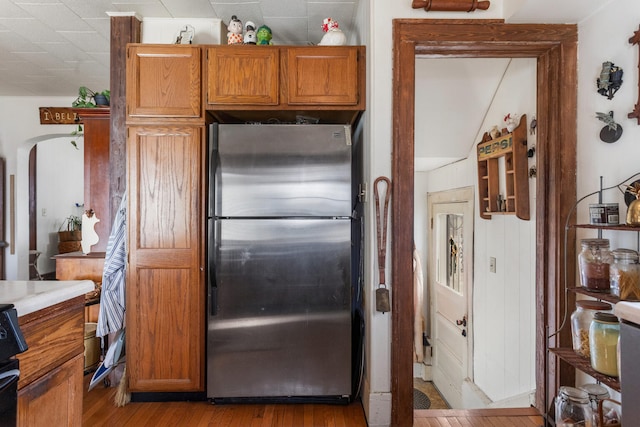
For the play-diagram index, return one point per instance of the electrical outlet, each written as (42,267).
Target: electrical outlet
(492,264)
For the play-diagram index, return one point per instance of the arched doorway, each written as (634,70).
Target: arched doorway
(555,48)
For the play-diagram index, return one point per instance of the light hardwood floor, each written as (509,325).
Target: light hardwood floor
(518,417)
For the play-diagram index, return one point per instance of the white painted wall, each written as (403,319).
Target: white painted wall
(604,37)
(20,130)
(60,185)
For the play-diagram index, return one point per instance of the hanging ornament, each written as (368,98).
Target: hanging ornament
(612,131)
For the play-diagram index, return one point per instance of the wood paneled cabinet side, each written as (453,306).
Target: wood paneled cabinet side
(165,285)
(164,81)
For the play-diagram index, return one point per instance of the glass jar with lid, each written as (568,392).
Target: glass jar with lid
(581,322)
(624,274)
(594,260)
(573,408)
(603,343)
(597,393)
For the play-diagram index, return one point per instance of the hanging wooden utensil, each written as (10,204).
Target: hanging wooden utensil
(382,213)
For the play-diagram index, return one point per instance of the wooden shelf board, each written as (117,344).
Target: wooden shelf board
(500,213)
(604,296)
(621,227)
(579,362)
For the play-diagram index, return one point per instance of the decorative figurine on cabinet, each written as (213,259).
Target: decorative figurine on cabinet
(89,235)
(610,79)
(234,36)
(511,122)
(612,131)
(249,33)
(334,35)
(264,35)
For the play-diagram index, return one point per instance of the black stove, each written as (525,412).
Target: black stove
(11,343)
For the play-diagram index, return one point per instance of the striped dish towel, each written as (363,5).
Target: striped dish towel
(111,315)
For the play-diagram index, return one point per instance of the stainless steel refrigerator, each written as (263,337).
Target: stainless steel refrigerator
(280,262)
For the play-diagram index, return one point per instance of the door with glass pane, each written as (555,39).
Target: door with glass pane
(449,272)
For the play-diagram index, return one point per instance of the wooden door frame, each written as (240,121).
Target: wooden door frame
(555,48)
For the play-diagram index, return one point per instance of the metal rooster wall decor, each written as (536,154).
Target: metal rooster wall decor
(612,131)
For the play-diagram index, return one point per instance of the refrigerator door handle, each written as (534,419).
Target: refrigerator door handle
(211,273)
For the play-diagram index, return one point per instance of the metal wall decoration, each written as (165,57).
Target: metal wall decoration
(635,114)
(612,131)
(610,79)
(450,5)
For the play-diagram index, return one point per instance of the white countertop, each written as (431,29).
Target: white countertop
(33,295)
(627,310)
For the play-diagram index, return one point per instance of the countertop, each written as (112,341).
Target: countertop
(29,296)
(629,311)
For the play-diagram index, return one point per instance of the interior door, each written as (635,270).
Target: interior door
(449,272)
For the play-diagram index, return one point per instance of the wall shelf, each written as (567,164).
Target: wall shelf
(579,362)
(604,296)
(619,227)
(512,148)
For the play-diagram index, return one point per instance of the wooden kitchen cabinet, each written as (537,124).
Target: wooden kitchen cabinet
(78,266)
(323,75)
(97,126)
(243,76)
(285,78)
(165,284)
(164,81)
(51,370)
(54,400)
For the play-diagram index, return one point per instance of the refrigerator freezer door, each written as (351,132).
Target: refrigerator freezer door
(281,170)
(283,325)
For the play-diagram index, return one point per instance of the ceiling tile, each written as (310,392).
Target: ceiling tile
(101,25)
(10,10)
(245,11)
(190,9)
(284,9)
(147,9)
(30,30)
(56,16)
(89,40)
(287,30)
(89,9)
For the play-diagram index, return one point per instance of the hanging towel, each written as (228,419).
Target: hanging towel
(418,321)
(111,316)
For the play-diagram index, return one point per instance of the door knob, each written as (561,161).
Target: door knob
(462,322)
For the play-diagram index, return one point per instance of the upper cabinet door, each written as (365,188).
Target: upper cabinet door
(164,81)
(243,75)
(323,75)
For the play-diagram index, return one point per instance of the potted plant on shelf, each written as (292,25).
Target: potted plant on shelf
(85,96)
(69,240)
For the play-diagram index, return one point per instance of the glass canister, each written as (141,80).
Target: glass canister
(572,408)
(603,343)
(581,322)
(624,274)
(594,261)
(597,393)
